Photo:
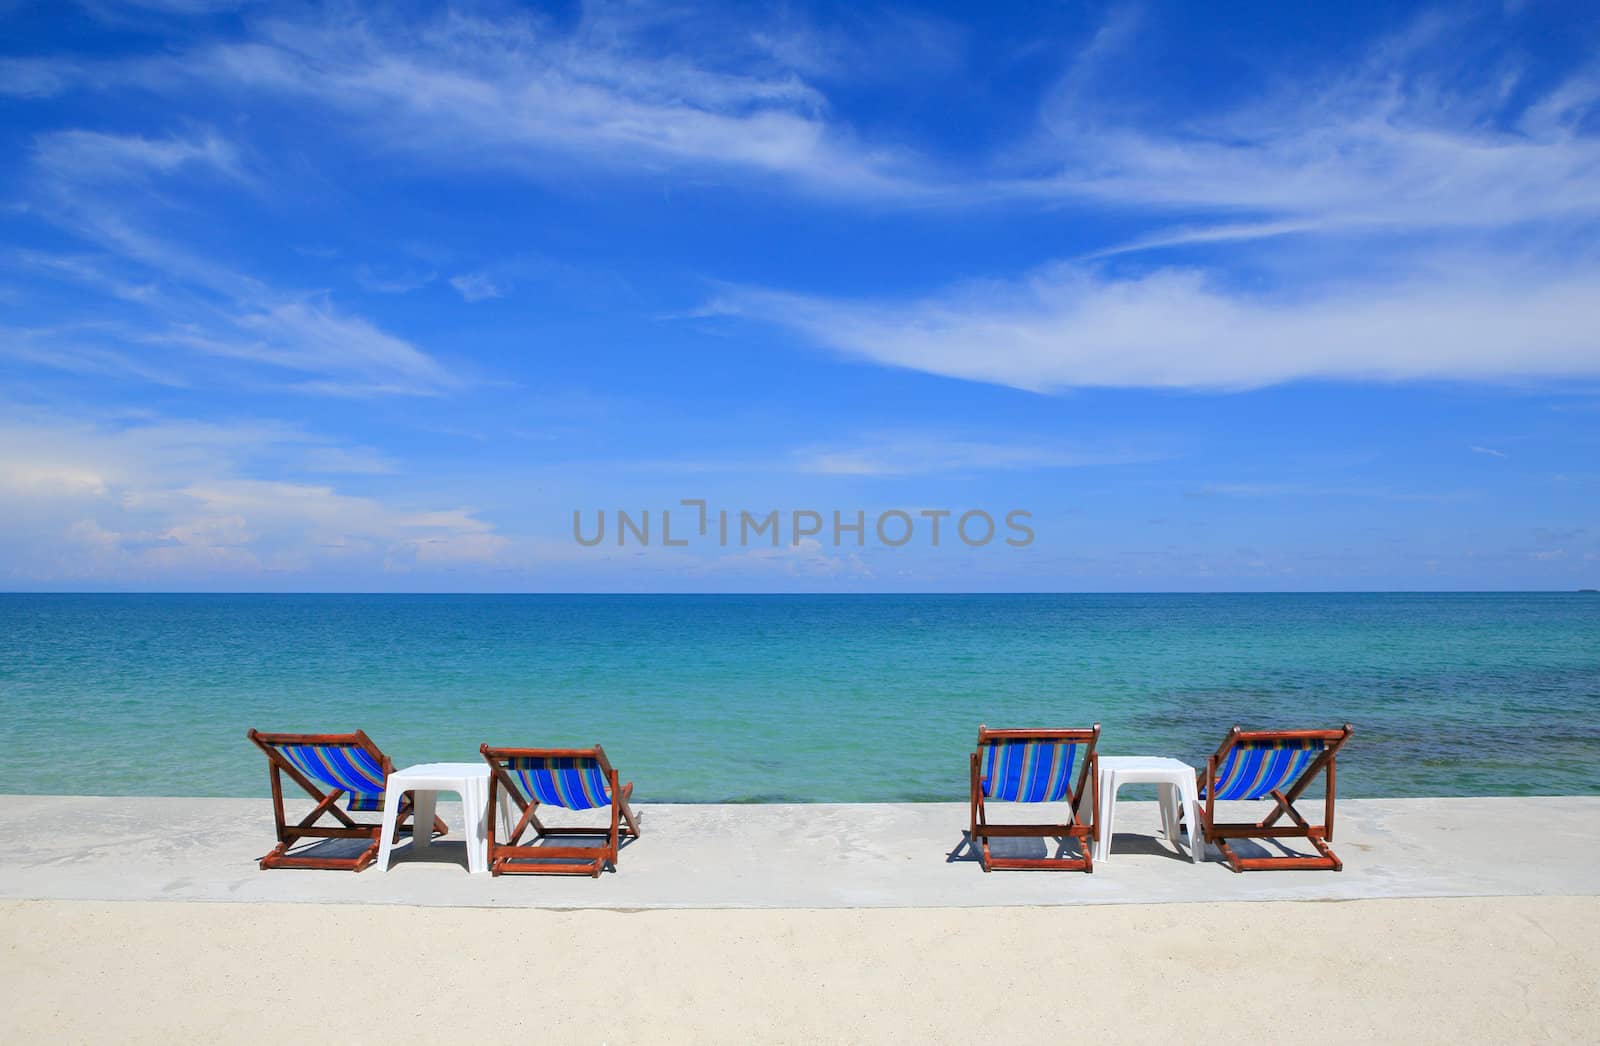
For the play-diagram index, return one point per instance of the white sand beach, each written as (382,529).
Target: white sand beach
(1425,970)
(814,855)
(1455,920)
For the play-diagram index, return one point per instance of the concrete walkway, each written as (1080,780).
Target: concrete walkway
(795,856)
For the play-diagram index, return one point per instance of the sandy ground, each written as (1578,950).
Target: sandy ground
(867,855)
(1517,969)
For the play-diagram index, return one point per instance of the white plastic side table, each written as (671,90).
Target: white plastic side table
(1177,784)
(425,781)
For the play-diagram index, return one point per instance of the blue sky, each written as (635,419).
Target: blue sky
(375,298)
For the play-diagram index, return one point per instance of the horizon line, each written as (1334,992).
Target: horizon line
(907,592)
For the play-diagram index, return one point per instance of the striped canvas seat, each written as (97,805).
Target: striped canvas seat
(346,767)
(1279,765)
(1255,769)
(1028,771)
(1035,766)
(328,768)
(566,778)
(571,782)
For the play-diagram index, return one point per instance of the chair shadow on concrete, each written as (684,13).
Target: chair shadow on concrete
(1024,847)
(1255,848)
(440,851)
(330,849)
(1137,844)
(596,841)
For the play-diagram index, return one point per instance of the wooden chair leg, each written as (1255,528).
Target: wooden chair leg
(1327,851)
(272,855)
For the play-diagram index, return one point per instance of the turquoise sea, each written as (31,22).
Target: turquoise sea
(797,698)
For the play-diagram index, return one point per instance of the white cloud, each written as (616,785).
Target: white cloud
(1393,142)
(1325,170)
(1410,137)
(476,287)
(349,461)
(346,354)
(1069,326)
(35,77)
(1499,181)
(1302,489)
(80,156)
(154,500)
(806,558)
(131,10)
(911,453)
(370,279)
(1440,236)
(516,92)
(79,350)
(1490,451)
(99,187)
(140,453)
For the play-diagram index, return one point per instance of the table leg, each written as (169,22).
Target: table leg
(425,803)
(1166,793)
(1191,809)
(1107,814)
(475,810)
(391,811)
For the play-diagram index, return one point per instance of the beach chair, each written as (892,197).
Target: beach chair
(343,764)
(1036,766)
(569,778)
(1275,764)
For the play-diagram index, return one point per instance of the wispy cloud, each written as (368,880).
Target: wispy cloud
(343,355)
(377,280)
(90,350)
(1396,142)
(79,156)
(577,284)
(518,92)
(1403,139)
(910,454)
(26,77)
(109,190)
(1490,451)
(1447,209)
(476,287)
(1073,326)
(1269,489)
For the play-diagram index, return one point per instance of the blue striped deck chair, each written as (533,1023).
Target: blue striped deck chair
(328,766)
(1277,765)
(571,779)
(1036,766)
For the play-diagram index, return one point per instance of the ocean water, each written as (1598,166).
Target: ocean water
(797,698)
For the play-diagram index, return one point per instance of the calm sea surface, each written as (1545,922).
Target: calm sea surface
(796,698)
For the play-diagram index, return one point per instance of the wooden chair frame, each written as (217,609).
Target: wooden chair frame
(1075,828)
(1218,833)
(326,804)
(554,860)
